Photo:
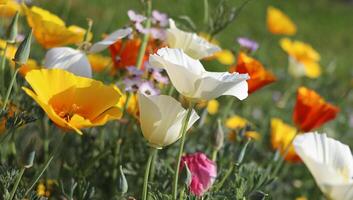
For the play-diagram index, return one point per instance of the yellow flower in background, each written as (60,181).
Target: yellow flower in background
(8,8)
(225,57)
(50,31)
(282,135)
(236,122)
(301,198)
(10,52)
(30,65)
(212,107)
(253,135)
(44,188)
(132,107)
(67,99)
(98,62)
(279,23)
(303,58)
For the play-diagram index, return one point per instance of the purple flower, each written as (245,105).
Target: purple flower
(132,84)
(158,33)
(148,88)
(156,75)
(248,43)
(137,18)
(134,72)
(140,28)
(160,18)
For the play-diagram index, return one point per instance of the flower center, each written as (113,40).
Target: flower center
(67,112)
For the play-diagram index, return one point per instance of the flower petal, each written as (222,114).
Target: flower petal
(69,59)
(109,40)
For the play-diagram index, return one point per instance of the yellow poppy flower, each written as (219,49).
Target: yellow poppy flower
(73,102)
(253,135)
(279,23)
(282,135)
(98,62)
(302,55)
(50,31)
(30,65)
(225,57)
(8,8)
(132,107)
(212,107)
(236,122)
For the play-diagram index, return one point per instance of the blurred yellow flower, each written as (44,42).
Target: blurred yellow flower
(279,23)
(301,198)
(212,107)
(99,62)
(236,122)
(281,136)
(132,108)
(50,31)
(253,135)
(45,188)
(8,8)
(225,57)
(11,49)
(67,99)
(30,65)
(303,56)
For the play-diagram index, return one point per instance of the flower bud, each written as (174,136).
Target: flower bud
(23,50)
(185,176)
(243,151)
(218,136)
(29,154)
(122,182)
(11,33)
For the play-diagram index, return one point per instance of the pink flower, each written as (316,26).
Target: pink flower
(203,172)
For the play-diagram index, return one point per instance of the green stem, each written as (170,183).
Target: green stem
(214,155)
(142,49)
(205,16)
(181,149)
(181,194)
(18,179)
(13,79)
(3,62)
(147,173)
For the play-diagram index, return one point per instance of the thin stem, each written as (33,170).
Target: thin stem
(181,149)
(181,194)
(214,155)
(3,62)
(142,49)
(10,88)
(206,10)
(19,177)
(147,173)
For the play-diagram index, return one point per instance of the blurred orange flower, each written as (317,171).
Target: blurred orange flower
(65,98)
(311,110)
(51,31)
(259,76)
(281,136)
(124,52)
(279,23)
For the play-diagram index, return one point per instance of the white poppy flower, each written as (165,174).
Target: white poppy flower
(191,79)
(161,119)
(329,161)
(192,44)
(76,61)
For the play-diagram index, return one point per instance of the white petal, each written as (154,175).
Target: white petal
(183,71)
(215,84)
(109,40)
(329,161)
(339,192)
(157,115)
(193,45)
(72,60)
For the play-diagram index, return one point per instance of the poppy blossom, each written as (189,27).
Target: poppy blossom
(279,23)
(311,110)
(259,76)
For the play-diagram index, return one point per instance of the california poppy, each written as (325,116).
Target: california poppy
(279,23)
(311,110)
(63,96)
(259,76)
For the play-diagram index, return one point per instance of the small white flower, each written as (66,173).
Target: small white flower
(193,45)
(329,161)
(191,79)
(161,119)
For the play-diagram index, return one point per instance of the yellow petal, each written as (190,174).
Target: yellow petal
(225,57)
(212,107)
(312,69)
(279,23)
(236,122)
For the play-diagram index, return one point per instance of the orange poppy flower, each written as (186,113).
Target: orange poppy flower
(311,110)
(259,76)
(124,52)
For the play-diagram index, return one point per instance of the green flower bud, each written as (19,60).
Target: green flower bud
(29,154)
(11,33)
(185,176)
(23,50)
(218,136)
(122,182)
